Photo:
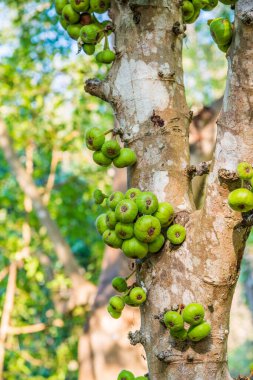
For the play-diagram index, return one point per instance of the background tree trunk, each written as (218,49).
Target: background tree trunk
(145,88)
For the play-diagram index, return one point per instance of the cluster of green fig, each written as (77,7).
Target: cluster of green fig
(191,8)
(242,199)
(130,295)
(107,152)
(222,32)
(127,375)
(193,314)
(136,222)
(78,19)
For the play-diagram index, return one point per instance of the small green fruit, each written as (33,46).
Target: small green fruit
(74,31)
(128,302)
(71,16)
(59,5)
(173,320)
(176,234)
(193,313)
(99,57)
(244,170)
(132,193)
(89,49)
(100,223)
(107,56)
(90,33)
(210,6)
(147,228)
(111,219)
(127,157)
(111,148)
(124,231)
(224,48)
(197,333)
(141,378)
(221,31)
(125,375)
(147,203)
(114,199)
(110,238)
(164,214)
(157,244)
(99,6)
(194,17)
(119,284)
(228,2)
(117,303)
(101,159)
(134,249)
(126,211)
(85,18)
(94,139)
(241,200)
(113,313)
(187,9)
(180,335)
(63,23)
(99,196)
(138,295)
(80,5)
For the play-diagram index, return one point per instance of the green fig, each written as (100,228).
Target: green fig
(127,157)
(101,159)
(132,193)
(90,33)
(138,295)
(187,9)
(241,200)
(107,56)
(141,378)
(176,234)
(71,16)
(119,284)
(180,335)
(124,231)
(244,170)
(126,211)
(199,332)
(59,5)
(224,48)
(111,148)
(228,2)
(99,6)
(134,249)
(74,31)
(194,17)
(89,49)
(113,313)
(117,303)
(85,18)
(80,5)
(147,228)
(94,138)
(221,31)
(210,6)
(99,196)
(147,203)
(157,244)
(129,302)
(63,23)
(114,199)
(164,213)
(110,238)
(173,320)
(193,314)
(100,223)
(125,375)
(111,220)
(99,57)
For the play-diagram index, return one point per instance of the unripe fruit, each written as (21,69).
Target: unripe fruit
(224,48)
(80,5)
(59,5)
(74,31)
(89,49)
(198,4)
(90,33)
(147,228)
(164,214)
(101,159)
(241,200)
(114,199)
(124,231)
(113,313)
(99,57)
(111,219)
(197,333)
(107,56)
(85,18)
(126,211)
(228,2)
(99,196)
(63,23)
(94,139)
(100,223)
(194,17)
(125,375)
(138,295)
(71,16)
(111,148)
(244,170)
(117,303)
(173,320)
(221,31)
(110,238)
(147,203)
(119,284)
(176,234)
(157,244)
(99,6)
(211,5)
(180,335)
(129,302)
(134,249)
(132,193)
(141,378)
(187,9)
(127,157)
(193,313)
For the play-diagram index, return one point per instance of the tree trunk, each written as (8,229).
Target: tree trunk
(145,88)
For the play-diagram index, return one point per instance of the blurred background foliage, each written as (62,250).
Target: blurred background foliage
(47,111)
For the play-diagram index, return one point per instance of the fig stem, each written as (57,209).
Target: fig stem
(109,131)
(130,275)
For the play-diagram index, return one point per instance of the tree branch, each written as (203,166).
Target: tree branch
(98,88)
(51,178)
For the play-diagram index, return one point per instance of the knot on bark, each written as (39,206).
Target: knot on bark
(247,17)
(227,175)
(182,217)
(164,356)
(178,29)
(136,337)
(98,88)
(198,170)
(157,120)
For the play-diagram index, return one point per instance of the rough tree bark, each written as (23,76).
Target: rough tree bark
(145,89)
